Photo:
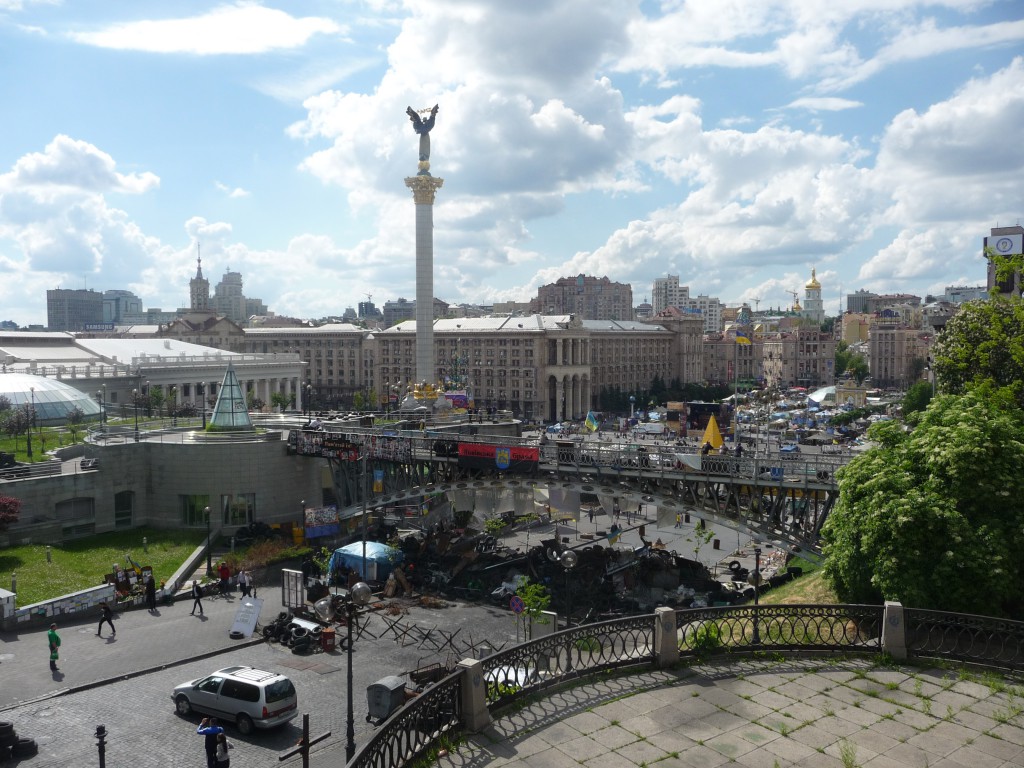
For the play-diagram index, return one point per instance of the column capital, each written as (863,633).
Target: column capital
(423,188)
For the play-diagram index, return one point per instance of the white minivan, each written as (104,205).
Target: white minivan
(248,697)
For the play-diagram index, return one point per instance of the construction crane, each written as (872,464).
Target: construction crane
(796,298)
(757,302)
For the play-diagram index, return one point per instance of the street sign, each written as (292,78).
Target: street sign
(516,604)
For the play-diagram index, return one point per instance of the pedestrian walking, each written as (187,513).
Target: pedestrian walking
(54,640)
(679,520)
(106,615)
(209,730)
(243,582)
(151,593)
(197,598)
(223,745)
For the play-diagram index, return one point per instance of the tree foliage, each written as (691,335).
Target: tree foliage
(983,345)
(850,362)
(917,398)
(934,516)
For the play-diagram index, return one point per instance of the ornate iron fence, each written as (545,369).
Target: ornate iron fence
(779,627)
(563,655)
(416,727)
(964,637)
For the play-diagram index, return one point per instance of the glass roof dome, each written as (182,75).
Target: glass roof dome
(53,399)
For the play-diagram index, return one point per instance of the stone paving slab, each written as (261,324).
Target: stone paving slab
(824,730)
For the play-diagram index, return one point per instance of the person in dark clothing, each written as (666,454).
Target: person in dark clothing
(106,615)
(197,598)
(705,449)
(209,729)
(151,593)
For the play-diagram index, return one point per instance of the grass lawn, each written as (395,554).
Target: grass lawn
(83,563)
(810,588)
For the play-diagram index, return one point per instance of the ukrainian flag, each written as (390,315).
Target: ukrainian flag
(591,422)
(742,338)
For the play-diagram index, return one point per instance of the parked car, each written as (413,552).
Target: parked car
(248,697)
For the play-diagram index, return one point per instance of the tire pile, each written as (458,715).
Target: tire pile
(14,747)
(299,639)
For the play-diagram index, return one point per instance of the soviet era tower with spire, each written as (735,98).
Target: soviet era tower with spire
(424,187)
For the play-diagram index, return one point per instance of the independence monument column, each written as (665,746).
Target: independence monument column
(424,187)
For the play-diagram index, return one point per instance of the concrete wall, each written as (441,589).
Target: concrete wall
(158,473)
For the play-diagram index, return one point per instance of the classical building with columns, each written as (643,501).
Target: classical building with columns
(336,360)
(111,370)
(550,367)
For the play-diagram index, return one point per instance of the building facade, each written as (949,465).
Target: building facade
(802,357)
(897,355)
(73,310)
(592,298)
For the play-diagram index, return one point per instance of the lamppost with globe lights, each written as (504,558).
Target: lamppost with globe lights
(31,419)
(358,595)
(755,580)
(135,403)
(568,561)
(209,544)
(632,404)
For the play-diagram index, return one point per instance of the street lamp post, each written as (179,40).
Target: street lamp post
(568,561)
(31,419)
(358,595)
(135,403)
(209,544)
(202,401)
(632,404)
(755,580)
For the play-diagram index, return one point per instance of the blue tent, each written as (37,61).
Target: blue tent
(380,559)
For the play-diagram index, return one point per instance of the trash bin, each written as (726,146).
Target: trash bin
(327,639)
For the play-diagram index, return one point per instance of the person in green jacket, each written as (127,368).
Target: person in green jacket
(54,639)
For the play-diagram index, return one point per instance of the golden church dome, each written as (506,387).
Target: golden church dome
(813,284)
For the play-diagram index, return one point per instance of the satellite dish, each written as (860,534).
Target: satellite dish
(324,608)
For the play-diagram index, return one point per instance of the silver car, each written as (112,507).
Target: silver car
(249,697)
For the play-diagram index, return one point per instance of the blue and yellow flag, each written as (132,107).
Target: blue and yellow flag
(591,422)
(742,338)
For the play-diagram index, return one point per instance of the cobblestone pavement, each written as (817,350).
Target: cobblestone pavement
(125,683)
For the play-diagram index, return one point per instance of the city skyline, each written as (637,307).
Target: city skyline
(736,147)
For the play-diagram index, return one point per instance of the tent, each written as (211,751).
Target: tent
(380,559)
(712,435)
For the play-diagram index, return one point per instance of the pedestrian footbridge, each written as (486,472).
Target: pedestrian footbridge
(783,498)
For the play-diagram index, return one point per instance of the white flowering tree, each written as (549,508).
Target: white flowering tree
(934,515)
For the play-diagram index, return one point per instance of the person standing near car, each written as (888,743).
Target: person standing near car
(223,759)
(209,730)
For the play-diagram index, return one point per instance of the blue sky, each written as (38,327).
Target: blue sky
(736,144)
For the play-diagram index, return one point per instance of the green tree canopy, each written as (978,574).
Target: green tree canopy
(983,345)
(934,516)
(917,397)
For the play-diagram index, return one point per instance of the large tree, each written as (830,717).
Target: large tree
(934,516)
(982,345)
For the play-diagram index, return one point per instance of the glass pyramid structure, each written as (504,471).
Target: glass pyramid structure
(231,413)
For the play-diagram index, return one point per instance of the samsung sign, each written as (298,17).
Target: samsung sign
(1005,245)
(98,327)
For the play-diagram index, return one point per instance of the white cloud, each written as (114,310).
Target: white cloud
(824,104)
(232,192)
(241,28)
